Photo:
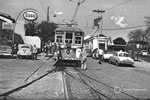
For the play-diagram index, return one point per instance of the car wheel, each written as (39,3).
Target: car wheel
(109,61)
(117,63)
(18,57)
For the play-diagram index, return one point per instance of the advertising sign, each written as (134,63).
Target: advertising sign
(30,15)
(7,26)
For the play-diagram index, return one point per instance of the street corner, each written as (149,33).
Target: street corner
(49,87)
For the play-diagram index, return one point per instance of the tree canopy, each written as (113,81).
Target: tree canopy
(44,30)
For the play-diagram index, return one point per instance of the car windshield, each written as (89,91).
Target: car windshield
(124,55)
(144,51)
(25,47)
(109,52)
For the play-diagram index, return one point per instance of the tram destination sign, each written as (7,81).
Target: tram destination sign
(30,15)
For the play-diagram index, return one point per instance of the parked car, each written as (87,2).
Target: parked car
(25,50)
(95,54)
(107,54)
(144,53)
(89,52)
(120,58)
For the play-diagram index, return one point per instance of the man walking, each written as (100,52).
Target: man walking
(34,52)
(100,54)
(83,57)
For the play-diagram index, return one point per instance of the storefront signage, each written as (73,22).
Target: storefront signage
(30,15)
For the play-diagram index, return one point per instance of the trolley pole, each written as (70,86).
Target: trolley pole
(101,24)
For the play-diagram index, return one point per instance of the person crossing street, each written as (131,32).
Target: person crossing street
(83,57)
(100,54)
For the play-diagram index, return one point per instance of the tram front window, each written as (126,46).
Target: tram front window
(68,38)
(59,39)
(77,40)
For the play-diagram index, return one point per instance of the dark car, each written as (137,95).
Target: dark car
(89,52)
(95,54)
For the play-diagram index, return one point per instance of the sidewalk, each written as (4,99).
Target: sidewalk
(141,64)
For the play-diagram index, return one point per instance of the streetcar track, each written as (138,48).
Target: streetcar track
(88,84)
(41,66)
(92,89)
(25,85)
(67,96)
(112,87)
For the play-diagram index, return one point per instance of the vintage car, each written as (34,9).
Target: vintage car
(25,50)
(107,54)
(89,52)
(144,53)
(95,54)
(121,58)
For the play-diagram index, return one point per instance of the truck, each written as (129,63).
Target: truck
(5,48)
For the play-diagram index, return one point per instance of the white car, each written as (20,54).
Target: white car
(121,58)
(107,54)
(144,53)
(25,50)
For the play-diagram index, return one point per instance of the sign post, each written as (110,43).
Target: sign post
(29,14)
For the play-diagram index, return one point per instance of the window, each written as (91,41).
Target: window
(68,38)
(124,55)
(59,39)
(78,40)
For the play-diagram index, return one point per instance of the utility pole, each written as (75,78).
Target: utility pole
(48,14)
(99,18)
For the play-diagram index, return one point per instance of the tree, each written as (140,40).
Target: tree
(46,31)
(30,29)
(137,34)
(119,41)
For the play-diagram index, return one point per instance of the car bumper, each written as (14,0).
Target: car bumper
(127,63)
(5,54)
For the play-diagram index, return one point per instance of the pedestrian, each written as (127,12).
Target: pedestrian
(100,54)
(83,57)
(34,52)
(54,51)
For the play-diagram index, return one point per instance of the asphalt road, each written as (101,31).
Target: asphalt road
(133,81)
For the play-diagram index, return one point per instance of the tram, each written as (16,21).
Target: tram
(70,42)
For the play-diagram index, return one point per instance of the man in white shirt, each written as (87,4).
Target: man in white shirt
(83,57)
(100,54)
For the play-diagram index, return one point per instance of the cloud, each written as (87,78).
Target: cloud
(58,13)
(119,21)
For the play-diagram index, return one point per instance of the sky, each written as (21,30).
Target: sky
(118,13)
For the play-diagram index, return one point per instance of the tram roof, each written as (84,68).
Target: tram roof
(69,29)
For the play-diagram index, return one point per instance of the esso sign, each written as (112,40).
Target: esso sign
(30,15)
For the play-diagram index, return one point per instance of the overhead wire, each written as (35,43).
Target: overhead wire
(43,8)
(120,4)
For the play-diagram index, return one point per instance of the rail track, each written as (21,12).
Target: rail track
(96,87)
(91,86)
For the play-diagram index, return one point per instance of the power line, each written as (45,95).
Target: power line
(126,28)
(123,3)
(120,4)
(132,27)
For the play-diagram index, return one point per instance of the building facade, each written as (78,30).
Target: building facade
(100,42)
